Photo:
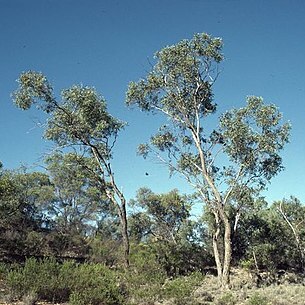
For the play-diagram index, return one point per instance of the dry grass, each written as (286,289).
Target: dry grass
(244,292)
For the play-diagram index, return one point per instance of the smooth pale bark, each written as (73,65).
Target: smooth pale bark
(227,251)
(223,268)
(118,199)
(222,260)
(216,249)
(295,234)
(124,231)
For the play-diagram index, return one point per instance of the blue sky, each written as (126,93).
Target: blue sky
(107,43)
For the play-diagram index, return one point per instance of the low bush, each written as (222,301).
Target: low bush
(145,277)
(257,299)
(51,281)
(45,278)
(182,287)
(146,280)
(95,284)
(227,299)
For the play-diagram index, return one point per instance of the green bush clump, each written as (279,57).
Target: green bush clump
(227,299)
(4,269)
(89,284)
(182,287)
(257,299)
(95,284)
(47,278)
(145,277)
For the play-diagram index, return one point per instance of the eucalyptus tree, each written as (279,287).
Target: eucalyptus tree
(163,222)
(79,202)
(292,212)
(162,216)
(228,164)
(79,119)
(22,222)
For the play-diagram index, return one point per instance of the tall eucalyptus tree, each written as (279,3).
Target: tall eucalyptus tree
(228,164)
(80,120)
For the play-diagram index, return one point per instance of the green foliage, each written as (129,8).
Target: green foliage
(182,287)
(227,299)
(145,276)
(248,264)
(81,117)
(257,299)
(182,258)
(23,196)
(95,284)
(145,265)
(182,66)
(163,222)
(162,214)
(51,281)
(265,235)
(104,250)
(4,269)
(253,137)
(80,201)
(80,120)
(45,278)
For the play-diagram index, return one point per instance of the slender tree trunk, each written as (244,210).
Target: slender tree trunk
(296,236)
(223,262)
(124,231)
(216,248)
(227,252)
(225,274)
(117,198)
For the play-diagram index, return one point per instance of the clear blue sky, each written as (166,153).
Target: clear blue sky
(106,43)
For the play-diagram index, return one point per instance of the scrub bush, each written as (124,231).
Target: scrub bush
(51,281)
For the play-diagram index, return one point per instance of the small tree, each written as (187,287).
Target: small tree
(22,222)
(227,165)
(293,213)
(79,120)
(79,202)
(161,215)
(163,222)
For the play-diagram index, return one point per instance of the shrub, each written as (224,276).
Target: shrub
(257,299)
(145,277)
(48,280)
(4,269)
(182,287)
(44,278)
(227,299)
(30,298)
(104,251)
(95,284)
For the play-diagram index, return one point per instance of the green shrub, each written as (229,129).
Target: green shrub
(95,284)
(16,284)
(145,277)
(227,299)
(52,281)
(247,264)
(104,251)
(182,287)
(30,299)
(257,299)
(4,269)
(45,278)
